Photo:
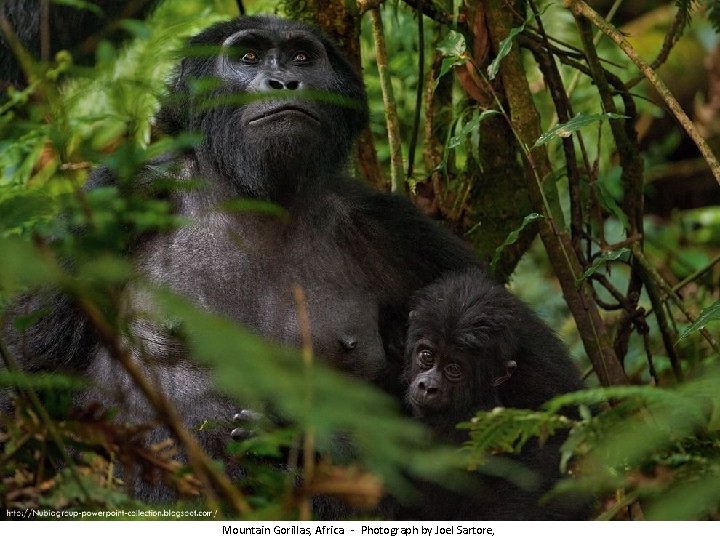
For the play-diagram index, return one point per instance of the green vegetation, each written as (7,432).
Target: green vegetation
(538,142)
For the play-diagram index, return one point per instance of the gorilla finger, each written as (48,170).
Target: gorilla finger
(240,434)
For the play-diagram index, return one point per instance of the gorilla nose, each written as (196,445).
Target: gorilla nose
(428,390)
(276,84)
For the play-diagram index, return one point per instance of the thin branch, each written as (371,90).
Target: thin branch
(526,127)
(696,275)
(308,439)
(23,56)
(13,366)
(671,38)
(418,90)
(672,295)
(581,9)
(391,116)
(429,9)
(563,110)
(45,30)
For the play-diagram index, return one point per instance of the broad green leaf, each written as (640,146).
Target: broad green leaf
(40,381)
(505,48)
(709,314)
(80,4)
(21,266)
(513,237)
(601,260)
(454,50)
(316,397)
(453,46)
(571,126)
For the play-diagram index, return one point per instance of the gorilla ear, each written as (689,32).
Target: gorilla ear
(510,366)
(412,315)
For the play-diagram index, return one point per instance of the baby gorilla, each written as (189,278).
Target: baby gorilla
(473,346)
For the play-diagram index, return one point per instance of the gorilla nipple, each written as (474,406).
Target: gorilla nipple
(349,343)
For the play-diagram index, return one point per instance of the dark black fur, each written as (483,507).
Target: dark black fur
(357,253)
(473,346)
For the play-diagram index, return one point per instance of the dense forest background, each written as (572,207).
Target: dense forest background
(571,143)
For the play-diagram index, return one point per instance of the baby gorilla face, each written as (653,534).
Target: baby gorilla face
(461,346)
(441,379)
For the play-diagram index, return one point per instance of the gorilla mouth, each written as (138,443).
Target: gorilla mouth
(281,111)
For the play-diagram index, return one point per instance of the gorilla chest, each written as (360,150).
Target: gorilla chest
(249,269)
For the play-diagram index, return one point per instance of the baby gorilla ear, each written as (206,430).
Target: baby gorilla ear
(510,366)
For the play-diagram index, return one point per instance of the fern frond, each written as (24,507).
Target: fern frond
(507,430)
(713,13)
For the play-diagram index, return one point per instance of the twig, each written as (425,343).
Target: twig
(418,90)
(695,275)
(526,128)
(202,465)
(307,354)
(45,30)
(391,115)
(563,110)
(672,295)
(581,9)
(13,366)
(429,9)
(671,38)
(23,57)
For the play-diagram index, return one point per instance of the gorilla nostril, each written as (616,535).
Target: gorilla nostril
(431,390)
(275,85)
(293,85)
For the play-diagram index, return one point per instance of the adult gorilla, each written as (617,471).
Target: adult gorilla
(277,126)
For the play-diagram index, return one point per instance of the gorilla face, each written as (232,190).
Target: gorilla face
(283,102)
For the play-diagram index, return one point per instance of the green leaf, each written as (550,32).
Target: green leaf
(580,121)
(507,430)
(454,50)
(80,4)
(255,206)
(453,46)
(697,498)
(505,48)
(601,260)
(513,237)
(40,381)
(709,314)
(22,266)
(316,397)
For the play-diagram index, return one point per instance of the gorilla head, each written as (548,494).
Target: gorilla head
(473,346)
(276,99)
(461,346)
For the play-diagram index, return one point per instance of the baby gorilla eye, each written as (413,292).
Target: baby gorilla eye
(425,359)
(301,57)
(453,372)
(250,57)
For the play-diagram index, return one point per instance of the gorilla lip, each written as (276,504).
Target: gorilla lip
(281,111)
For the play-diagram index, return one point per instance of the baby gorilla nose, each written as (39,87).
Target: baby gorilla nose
(428,389)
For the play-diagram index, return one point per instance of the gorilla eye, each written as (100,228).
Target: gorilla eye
(250,57)
(301,57)
(453,372)
(425,359)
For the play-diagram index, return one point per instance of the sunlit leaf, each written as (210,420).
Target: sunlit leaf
(602,260)
(576,123)
(708,314)
(504,49)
